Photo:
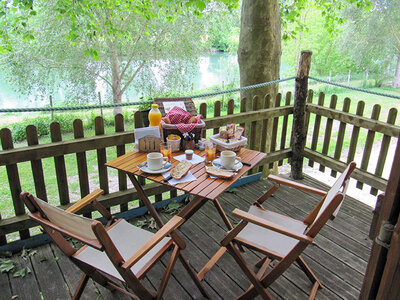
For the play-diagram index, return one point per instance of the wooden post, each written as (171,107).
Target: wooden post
(51,106)
(139,124)
(348,78)
(223,95)
(381,276)
(101,108)
(299,110)
(329,79)
(3,239)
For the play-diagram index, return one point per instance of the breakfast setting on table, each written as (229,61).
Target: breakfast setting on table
(174,145)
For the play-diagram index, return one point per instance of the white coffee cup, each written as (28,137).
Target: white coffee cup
(155,161)
(229,159)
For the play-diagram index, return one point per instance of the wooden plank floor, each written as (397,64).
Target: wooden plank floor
(338,257)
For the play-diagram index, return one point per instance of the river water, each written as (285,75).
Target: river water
(213,69)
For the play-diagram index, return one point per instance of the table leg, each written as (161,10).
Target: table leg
(193,206)
(142,196)
(222,214)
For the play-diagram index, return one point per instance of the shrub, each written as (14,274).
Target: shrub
(18,132)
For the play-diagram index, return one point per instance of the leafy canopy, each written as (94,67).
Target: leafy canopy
(372,38)
(83,17)
(292,10)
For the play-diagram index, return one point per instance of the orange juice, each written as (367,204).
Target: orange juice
(154,115)
(167,153)
(210,152)
(166,150)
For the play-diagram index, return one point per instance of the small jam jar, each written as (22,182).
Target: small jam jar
(189,154)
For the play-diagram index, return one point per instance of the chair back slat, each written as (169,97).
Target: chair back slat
(340,186)
(78,225)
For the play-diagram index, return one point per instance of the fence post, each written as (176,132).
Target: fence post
(299,110)
(51,106)
(349,78)
(223,95)
(101,107)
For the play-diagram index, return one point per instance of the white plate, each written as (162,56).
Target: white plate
(145,169)
(217,163)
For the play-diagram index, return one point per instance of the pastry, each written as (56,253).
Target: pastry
(220,173)
(223,134)
(166,120)
(230,128)
(181,169)
(192,120)
(239,132)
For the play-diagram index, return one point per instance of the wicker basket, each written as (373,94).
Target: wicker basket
(165,104)
(233,146)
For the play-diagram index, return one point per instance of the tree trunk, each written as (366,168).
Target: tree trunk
(116,80)
(396,79)
(259,50)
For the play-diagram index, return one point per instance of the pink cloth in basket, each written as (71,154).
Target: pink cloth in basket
(178,116)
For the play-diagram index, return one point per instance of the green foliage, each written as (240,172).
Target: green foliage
(327,56)
(21,273)
(173,207)
(6,265)
(223,29)
(122,43)
(65,120)
(292,14)
(14,16)
(372,39)
(147,105)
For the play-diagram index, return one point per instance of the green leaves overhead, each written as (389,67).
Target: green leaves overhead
(92,53)
(14,16)
(292,12)
(83,16)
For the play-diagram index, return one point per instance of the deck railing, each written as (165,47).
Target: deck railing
(352,136)
(268,127)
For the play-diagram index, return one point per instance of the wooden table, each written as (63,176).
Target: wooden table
(204,188)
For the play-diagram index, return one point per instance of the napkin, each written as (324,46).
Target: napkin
(188,177)
(179,117)
(195,160)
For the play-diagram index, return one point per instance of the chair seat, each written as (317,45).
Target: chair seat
(119,234)
(273,242)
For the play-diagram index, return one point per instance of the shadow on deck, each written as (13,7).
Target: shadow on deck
(339,255)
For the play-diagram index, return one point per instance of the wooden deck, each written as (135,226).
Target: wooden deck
(338,257)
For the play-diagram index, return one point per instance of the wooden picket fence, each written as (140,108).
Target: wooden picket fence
(268,127)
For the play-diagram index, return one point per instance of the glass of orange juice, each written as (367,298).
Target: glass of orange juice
(210,152)
(166,150)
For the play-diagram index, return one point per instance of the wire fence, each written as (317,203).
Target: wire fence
(204,95)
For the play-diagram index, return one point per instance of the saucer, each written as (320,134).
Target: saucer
(217,163)
(143,167)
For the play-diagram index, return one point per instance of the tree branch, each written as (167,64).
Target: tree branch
(132,53)
(395,35)
(58,65)
(133,76)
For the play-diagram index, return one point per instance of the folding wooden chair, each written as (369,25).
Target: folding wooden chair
(280,237)
(118,251)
